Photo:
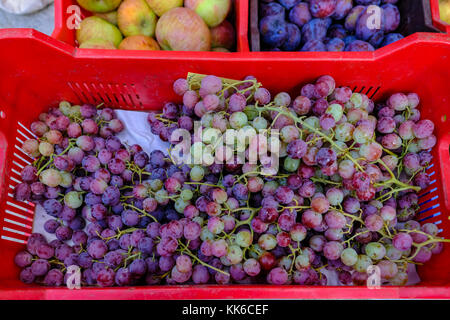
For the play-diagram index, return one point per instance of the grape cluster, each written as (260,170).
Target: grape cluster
(344,196)
(328,25)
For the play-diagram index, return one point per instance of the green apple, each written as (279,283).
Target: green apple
(135,17)
(99,5)
(111,17)
(162,6)
(96,28)
(213,12)
(181,29)
(97,44)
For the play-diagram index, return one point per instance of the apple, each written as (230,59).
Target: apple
(212,11)
(223,35)
(444,9)
(135,17)
(181,29)
(97,28)
(162,6)
(111,17)
(97,44)
(99,5)
(139,42)
(220,49)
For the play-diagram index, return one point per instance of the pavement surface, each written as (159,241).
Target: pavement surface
(42,20)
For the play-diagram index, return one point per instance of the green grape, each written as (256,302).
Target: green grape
(197,173)
(211,135)
(234,254)
(312,121)
(393,253)
(282,99)
(336,111)
(362,134)
(375,250)
(344,132)
(251,112)
(198,219)
(238,120)
(260,123)
(73,199)
(205,234)
(207,120)
(46,149)
(155,184)
(66,179)
(186,194)
(75,111)
(356,100)
(363,263)
(244,238)
(290,164)
(349,257)
(180,205)
(267,241)
(302,261)
(225,261)
(161,196)
(65,107)
(50,177)
(197,152)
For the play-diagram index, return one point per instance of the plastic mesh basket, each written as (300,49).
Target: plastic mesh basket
(37,72)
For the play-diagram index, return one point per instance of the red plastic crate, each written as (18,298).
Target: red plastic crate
(37,72)
(437,21)
(63,12)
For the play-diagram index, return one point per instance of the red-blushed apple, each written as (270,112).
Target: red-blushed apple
(135,17)
(139,42)
(212,11)
(99,5)
(162,6)
(96,28)
(181,29)
(223,35)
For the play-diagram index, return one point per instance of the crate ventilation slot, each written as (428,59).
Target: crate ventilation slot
(18,216)
(111,94)
(368,91)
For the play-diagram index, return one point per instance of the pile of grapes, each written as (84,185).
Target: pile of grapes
(328,25)
(334,187)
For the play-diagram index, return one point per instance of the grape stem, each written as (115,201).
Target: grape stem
(315,131)
(189,253)
(139,210)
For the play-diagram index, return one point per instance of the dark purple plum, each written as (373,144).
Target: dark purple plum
(273,31)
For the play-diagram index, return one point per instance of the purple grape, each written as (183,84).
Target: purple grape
(97,249)
(27,276)
(40,267)
(105,277)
